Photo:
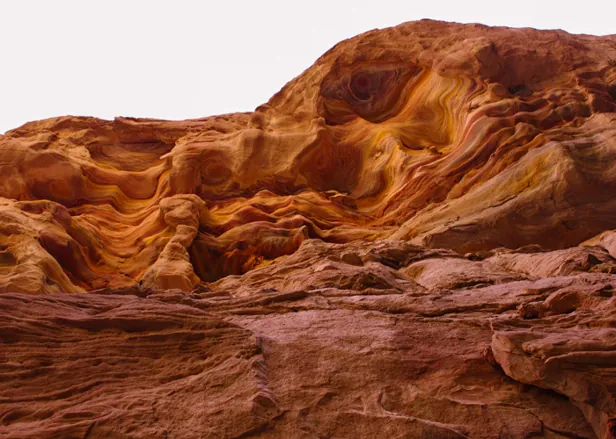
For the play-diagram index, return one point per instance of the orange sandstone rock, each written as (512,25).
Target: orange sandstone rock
(457,136)
(413,238)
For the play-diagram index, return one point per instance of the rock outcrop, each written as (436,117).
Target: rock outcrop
(414,238)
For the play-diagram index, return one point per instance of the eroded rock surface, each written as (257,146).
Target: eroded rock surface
(414,238)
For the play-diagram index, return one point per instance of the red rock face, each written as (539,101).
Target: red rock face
(414,238)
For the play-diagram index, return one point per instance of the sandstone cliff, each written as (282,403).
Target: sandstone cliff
(414,238)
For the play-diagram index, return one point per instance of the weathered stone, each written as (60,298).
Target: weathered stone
(414,238)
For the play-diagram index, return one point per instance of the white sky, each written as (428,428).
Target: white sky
(180,59)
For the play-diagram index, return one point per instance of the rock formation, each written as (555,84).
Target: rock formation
(414,238)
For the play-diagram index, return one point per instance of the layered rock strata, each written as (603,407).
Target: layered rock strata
(414,238)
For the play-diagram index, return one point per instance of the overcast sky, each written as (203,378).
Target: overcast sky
(185,59)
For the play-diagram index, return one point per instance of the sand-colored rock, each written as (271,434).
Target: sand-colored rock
(312,346)
(462,137)
(413,238)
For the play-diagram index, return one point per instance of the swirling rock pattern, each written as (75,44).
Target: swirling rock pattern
(414,238)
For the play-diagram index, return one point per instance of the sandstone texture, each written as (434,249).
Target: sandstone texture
(415,238)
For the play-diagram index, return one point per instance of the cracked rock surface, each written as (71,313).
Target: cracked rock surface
(336,340)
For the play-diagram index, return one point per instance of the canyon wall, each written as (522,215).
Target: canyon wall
(413,238)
